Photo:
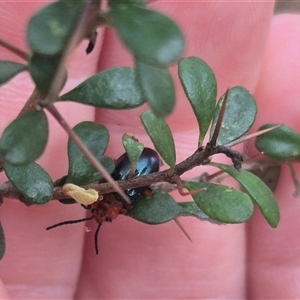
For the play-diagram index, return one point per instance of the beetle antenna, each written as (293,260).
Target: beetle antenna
(96,237)
(69,222)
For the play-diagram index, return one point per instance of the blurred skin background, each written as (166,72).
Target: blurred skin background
(139,261)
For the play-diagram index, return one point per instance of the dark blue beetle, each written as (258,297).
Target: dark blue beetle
(148,163)
(112,205)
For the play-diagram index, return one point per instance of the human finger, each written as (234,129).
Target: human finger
(39,263)
(273,254)
(138,260)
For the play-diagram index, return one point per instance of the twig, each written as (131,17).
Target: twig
(200,157)
(19,52)
(7,190)
(213,140)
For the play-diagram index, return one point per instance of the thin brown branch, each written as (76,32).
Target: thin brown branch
(213,140)
(19,52)
(200,157)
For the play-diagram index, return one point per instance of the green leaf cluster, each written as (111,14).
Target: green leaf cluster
(156,42)
(48,33)
(217,203)
(22,142)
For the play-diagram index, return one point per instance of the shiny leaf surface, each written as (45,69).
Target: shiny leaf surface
(156,209)
(200,87)
(32,181)
(190,209)
(95,137)
(42,69)
(221,202)
(133,149)
(50,28)
(158,88)
(161,136)
(281,143)
(24,139)
(152,37)
(259,192)
(114,88)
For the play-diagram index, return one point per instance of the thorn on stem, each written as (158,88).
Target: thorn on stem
(214,138)
(182,229)
(178,181)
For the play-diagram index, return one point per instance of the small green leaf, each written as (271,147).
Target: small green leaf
(50,28)
(259,192)
(161,136)
(156,209)
(152,37)
(281,143)
(200,87)
(96,138)
(2,242)
(133,149)
(82,172)
(42,69)
(24,139)
(115,88)
(158,88)
(190,209)
(32,181)
(9,69)
(221,202)
(239,115)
